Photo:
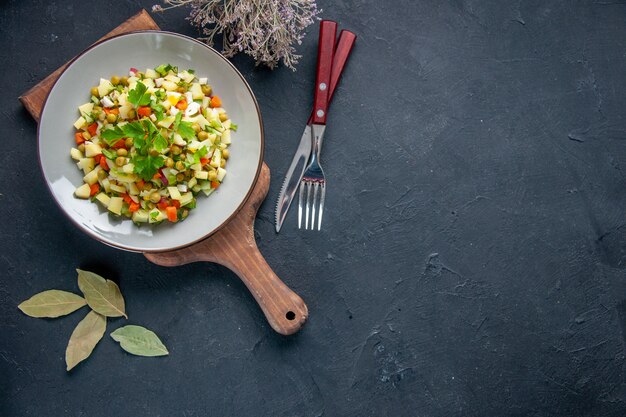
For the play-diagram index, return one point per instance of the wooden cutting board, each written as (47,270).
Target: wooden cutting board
(233,245)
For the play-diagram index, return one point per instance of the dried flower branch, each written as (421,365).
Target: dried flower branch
(267,30)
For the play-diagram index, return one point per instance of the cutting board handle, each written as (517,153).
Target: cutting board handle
(234,247)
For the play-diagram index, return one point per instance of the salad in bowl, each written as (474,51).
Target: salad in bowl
(150,143)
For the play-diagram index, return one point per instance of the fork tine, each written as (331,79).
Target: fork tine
(321,210)
(315,187)
(300,205)
(308,205)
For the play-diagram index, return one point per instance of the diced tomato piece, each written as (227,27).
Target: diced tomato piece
(144,111)
(119,144)
(156,176)
(92,129)
(133,207)
(141,184)
(171,214)
(79,138)
(215,184)
(127,198)
(176,203)
(203,161)
(216,101)
(103,163)
(112,111)
(181,105)
(94,189)
(162,205)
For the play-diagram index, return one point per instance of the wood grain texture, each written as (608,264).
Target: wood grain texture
(234,247)
(34,99)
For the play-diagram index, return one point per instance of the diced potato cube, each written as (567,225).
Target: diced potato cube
(76,154)
(174,193)
(80,122)
(92,177)
(156,215)
(150,73)
(196,167)
(169,85)
(201,175)
(186,198)
(92,150)
(203,80)
(128,168)
(124,109)
(104,199)
(192,182)
(140,216)
(132,189)
(226,137)
(196,91)
(172,78)
(85,108)
(217,158)
(166,122)
(115,205)
(205,101)
(118,188)
(83,191)
(221,173)
(106,184)
(178,140)
(86,164)
(105,87)
(186,76)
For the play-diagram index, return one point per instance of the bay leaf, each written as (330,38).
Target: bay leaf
(52,303)
(84,338)
(102,295)
(139,341)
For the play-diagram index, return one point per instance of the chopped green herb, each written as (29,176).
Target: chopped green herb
(138,96)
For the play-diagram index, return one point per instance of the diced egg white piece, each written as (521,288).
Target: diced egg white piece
(122,99)
(205,101)
(104,199)
(115,205)
(153,117)
(80,122)
(150,73)
(83,191)
(85,108)
(166,104)
(182,188)
(174,193)
(92,177)
(201,121)
(148,82)
(76,154)
(221,172)
(105,87)
(203,80)
(114,95)
(188,97)
(196,91)
(201,175)
(158,82)
(92,150)
(192,109)
(169,86)
(174,111)
(217,158)
(106,102)
(186,198)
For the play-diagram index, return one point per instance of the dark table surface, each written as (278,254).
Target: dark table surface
(472,260)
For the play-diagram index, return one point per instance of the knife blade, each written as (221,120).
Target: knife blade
(303,152)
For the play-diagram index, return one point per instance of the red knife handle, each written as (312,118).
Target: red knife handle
(325,51)
(342,52)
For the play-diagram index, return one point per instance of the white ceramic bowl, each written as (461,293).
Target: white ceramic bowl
(148,49)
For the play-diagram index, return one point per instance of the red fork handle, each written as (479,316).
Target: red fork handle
(325,51)
(342,52)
